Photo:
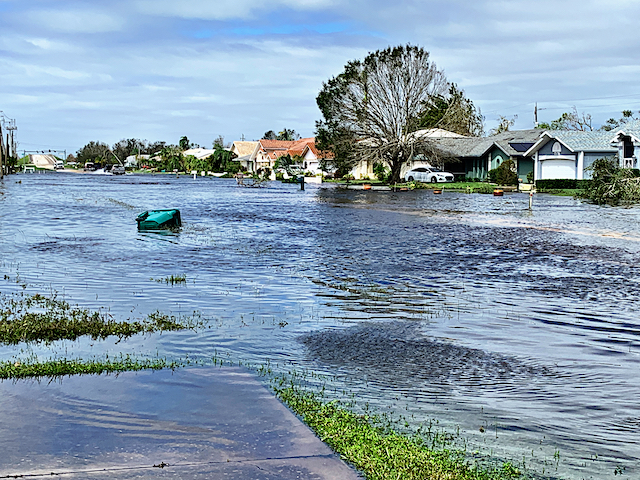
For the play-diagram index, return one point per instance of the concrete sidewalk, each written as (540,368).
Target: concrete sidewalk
(192,423)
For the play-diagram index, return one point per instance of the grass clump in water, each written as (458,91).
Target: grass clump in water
(379,451)
(16,369)
(36,318)
(172,279)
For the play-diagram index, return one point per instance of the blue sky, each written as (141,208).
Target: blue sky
(72,71)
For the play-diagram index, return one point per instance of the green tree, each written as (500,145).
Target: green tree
(612,123)
(171,158)
(270,135)
(93,152)
(184,143)
(569,121)
(453,112)
(504,174)
(218,142)
(288,135)
(611,184)
(371,109)
(504,124)
(129,146)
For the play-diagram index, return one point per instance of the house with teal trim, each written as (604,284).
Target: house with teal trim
(473,157)
(569,154)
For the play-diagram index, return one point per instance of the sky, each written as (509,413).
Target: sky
(74,71)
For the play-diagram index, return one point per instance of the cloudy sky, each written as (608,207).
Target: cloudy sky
(72,71)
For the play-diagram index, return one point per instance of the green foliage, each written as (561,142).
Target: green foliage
(287,134)
(612,123)
(184,143)
(38,318)
(569,121)
(286,162)
(504,125)
(32,368)
(371,108)
(611,184)
(223,161)
(505,174)
(93,152)
(376,449)
(381,172)
(530,177)
(561,184)
(171,158)
(453,112)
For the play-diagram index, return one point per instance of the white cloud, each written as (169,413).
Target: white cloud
(224,9)
(75,21)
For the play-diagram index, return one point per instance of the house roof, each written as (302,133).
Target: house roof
(517,142)
(577,141)
(198,152)
(512,143)
(243,148)
(631,128)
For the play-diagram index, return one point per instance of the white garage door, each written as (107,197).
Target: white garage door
(558,169)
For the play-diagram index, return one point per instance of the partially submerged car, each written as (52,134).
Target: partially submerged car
(428,175)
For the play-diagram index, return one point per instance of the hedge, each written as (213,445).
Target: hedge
(561,183)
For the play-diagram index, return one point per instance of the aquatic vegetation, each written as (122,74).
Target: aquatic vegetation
(172,279)
(32,368)
(38,318)
(376,449)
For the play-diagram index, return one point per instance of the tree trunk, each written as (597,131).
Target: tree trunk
(396,168)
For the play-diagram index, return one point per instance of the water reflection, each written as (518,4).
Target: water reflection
(466,308)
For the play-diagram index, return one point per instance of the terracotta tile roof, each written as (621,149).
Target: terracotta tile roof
(275,144)
(274,149)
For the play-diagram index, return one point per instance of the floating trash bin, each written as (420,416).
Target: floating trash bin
(159,219)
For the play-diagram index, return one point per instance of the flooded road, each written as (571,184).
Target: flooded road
(517,329)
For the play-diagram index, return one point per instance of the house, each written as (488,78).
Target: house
(133,161)
(569,154)
(198,152)
(246,152)
(473,157)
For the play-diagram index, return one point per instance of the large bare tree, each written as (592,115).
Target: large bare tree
(372,109)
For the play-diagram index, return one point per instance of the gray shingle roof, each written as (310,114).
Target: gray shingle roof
(585,141)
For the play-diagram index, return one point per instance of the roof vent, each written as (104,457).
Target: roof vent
(557,148)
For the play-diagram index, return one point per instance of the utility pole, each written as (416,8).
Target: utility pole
(535,115)
(1,153)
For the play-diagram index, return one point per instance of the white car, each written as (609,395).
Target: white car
(427,175)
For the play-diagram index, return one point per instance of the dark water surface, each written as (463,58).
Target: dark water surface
(519,329)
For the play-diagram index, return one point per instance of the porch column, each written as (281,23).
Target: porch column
(580,172)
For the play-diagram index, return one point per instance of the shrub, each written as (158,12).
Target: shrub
(381,171)
(561,184)
(530,177)
(611,184)
(505,174)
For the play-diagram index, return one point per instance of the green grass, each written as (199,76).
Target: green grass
(172,279)
(379,451)
(38,318)
(16,369)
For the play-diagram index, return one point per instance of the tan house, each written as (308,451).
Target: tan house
(246,152)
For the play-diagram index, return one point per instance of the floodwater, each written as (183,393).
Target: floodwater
(517,329)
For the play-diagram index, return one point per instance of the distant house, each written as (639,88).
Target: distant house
(134,161)
(199,153)
(246,153)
